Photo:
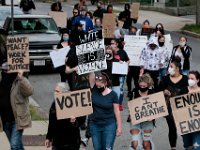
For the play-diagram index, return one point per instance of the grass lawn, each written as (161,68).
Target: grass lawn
(35,116)
(192,27)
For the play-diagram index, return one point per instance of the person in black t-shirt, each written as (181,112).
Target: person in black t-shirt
(122,57)
(172,85)
(63,134)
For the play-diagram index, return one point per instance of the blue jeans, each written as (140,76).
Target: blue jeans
(103,135)
(14,136)
(192,139)
(121,81)
(162,73)
(185,72)
(116,89)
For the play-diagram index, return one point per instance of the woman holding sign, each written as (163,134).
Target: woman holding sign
(192,140)
(172,85)
(105,122)
(63,134)
(141,133)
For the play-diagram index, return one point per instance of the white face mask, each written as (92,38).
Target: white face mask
(182,44)
(191,82)
(171,71)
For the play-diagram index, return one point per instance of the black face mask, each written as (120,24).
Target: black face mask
(161,44)
(132,33)
(101,89)
(143,89)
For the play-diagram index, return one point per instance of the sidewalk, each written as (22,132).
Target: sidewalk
(170,23)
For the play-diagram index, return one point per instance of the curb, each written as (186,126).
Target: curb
(189,33)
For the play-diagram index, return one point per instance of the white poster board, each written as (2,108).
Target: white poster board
(120,68)
(58,56)
(133,47)
(168,44)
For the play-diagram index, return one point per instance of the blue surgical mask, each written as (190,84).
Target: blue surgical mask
(66,38)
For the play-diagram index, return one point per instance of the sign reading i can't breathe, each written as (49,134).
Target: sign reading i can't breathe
(186,112)
(91,53)
(75,103)
(18,53)
(147,108)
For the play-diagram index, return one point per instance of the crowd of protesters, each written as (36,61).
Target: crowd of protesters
(158,71)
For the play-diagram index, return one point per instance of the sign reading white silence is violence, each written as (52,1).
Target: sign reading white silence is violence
(91,53)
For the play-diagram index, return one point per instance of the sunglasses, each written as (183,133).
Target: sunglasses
(100,78)
(75,12)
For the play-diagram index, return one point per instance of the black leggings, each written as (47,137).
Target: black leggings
(172,131)
(134,72)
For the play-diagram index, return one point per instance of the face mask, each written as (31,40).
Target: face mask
(132,33)
(66,38)
(101,89)
(161,44)
(143,89)
(83,13)
(182,44)
(152,47)
(171,71)
(191,82)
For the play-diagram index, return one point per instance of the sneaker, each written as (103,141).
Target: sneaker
(84,141)
(121,108)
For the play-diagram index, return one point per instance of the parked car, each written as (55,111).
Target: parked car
(6,11)
(42,32)
(8,2)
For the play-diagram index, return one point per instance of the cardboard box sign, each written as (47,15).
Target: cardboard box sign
(186,112)
(60,18)
(147,108)
(75,103)
(108,24)
(18,53)
(135,7)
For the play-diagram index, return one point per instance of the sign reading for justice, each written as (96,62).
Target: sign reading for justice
(18,53)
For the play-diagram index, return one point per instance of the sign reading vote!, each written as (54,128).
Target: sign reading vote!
(18,53)
(186,112)
(75,103)
(147,108)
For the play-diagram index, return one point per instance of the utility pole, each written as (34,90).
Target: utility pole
(177,5)
(198,12)
(12,14)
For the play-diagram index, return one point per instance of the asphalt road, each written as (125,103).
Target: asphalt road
(44,83)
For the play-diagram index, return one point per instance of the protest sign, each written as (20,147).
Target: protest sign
(133,47)
(91,54)
(58,56)
(118,68)
(147,108)
(147,31)
(60,18)
(75,103)
(18,53)
(168,44)
(135,7)
(186,112)
(108,24)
